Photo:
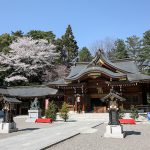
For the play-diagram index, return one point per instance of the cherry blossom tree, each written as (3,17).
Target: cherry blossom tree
(29,59)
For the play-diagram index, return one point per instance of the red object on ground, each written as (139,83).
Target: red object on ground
(127,121)
(44,120)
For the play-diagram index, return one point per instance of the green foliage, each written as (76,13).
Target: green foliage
(51,112)
(61,50)
(134,44)
(121,112)
(64,112)
(69,44)
(145,51)
(38,34)
(134,112)
(17,33)
(5,41)
(144,55)
(120,49)
(85,55)
(146,38)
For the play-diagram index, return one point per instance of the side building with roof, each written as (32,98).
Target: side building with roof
(26,94)
(88,83)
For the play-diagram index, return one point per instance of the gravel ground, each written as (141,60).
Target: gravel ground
(137,138)
(26,127)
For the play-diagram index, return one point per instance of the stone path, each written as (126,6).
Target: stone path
(137,138)
(41,138)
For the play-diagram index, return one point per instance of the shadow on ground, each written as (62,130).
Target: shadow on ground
(132,133)
(66,121)
(28,129)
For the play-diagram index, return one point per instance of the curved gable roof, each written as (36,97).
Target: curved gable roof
(96,69)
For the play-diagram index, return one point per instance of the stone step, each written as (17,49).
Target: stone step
(90,116)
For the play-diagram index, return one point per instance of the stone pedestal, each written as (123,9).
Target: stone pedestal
(8,127)
(33,115)
(114,131)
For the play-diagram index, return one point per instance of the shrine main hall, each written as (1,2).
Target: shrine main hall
(88,82)
(86,85)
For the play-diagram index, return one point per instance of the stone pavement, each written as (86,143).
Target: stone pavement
(137,138)
(41,138)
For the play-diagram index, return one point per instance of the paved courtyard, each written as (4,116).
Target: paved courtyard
(36,136)
(26,127)
(137,138)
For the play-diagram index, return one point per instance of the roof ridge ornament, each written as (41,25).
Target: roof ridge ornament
(98,55)
(113,95)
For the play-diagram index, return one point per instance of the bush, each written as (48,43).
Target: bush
(64,112)
(121,112)
(134,112)
(51,112)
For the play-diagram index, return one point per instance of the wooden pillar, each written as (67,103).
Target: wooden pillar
(83,104)
(20,110)
(75,106)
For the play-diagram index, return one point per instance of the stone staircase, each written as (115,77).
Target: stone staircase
(103,117)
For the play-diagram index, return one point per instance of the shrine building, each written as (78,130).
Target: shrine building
(88,82)
(85,87)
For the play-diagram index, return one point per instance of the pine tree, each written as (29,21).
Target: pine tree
(64,112)
(120,49)
(144,54)
(69,45)
(38,34)
(85,55)
(17,33)
(134,44)
(51,112)
(5,41)
(61,50)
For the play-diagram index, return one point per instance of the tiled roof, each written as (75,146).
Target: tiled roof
(138,77)
(127,65)
(10,100)
(125,68)
(60,82)
(96,69)
(28,91)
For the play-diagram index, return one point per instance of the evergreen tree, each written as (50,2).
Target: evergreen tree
(69,45)
(120,49)
(145,51)
(64,112)
(85,55)
(134,112)
(146,38)
(51,112)
(134,44)
(144,55)
(17,33)
(38,34)
(60,48)
(5,41)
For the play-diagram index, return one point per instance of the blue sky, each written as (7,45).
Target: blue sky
(91,20)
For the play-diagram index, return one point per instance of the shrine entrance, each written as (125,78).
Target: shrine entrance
(98,106)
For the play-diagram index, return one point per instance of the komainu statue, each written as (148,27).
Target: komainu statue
(35,104)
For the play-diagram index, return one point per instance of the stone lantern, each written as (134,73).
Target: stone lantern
(8,125)
(114,129)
